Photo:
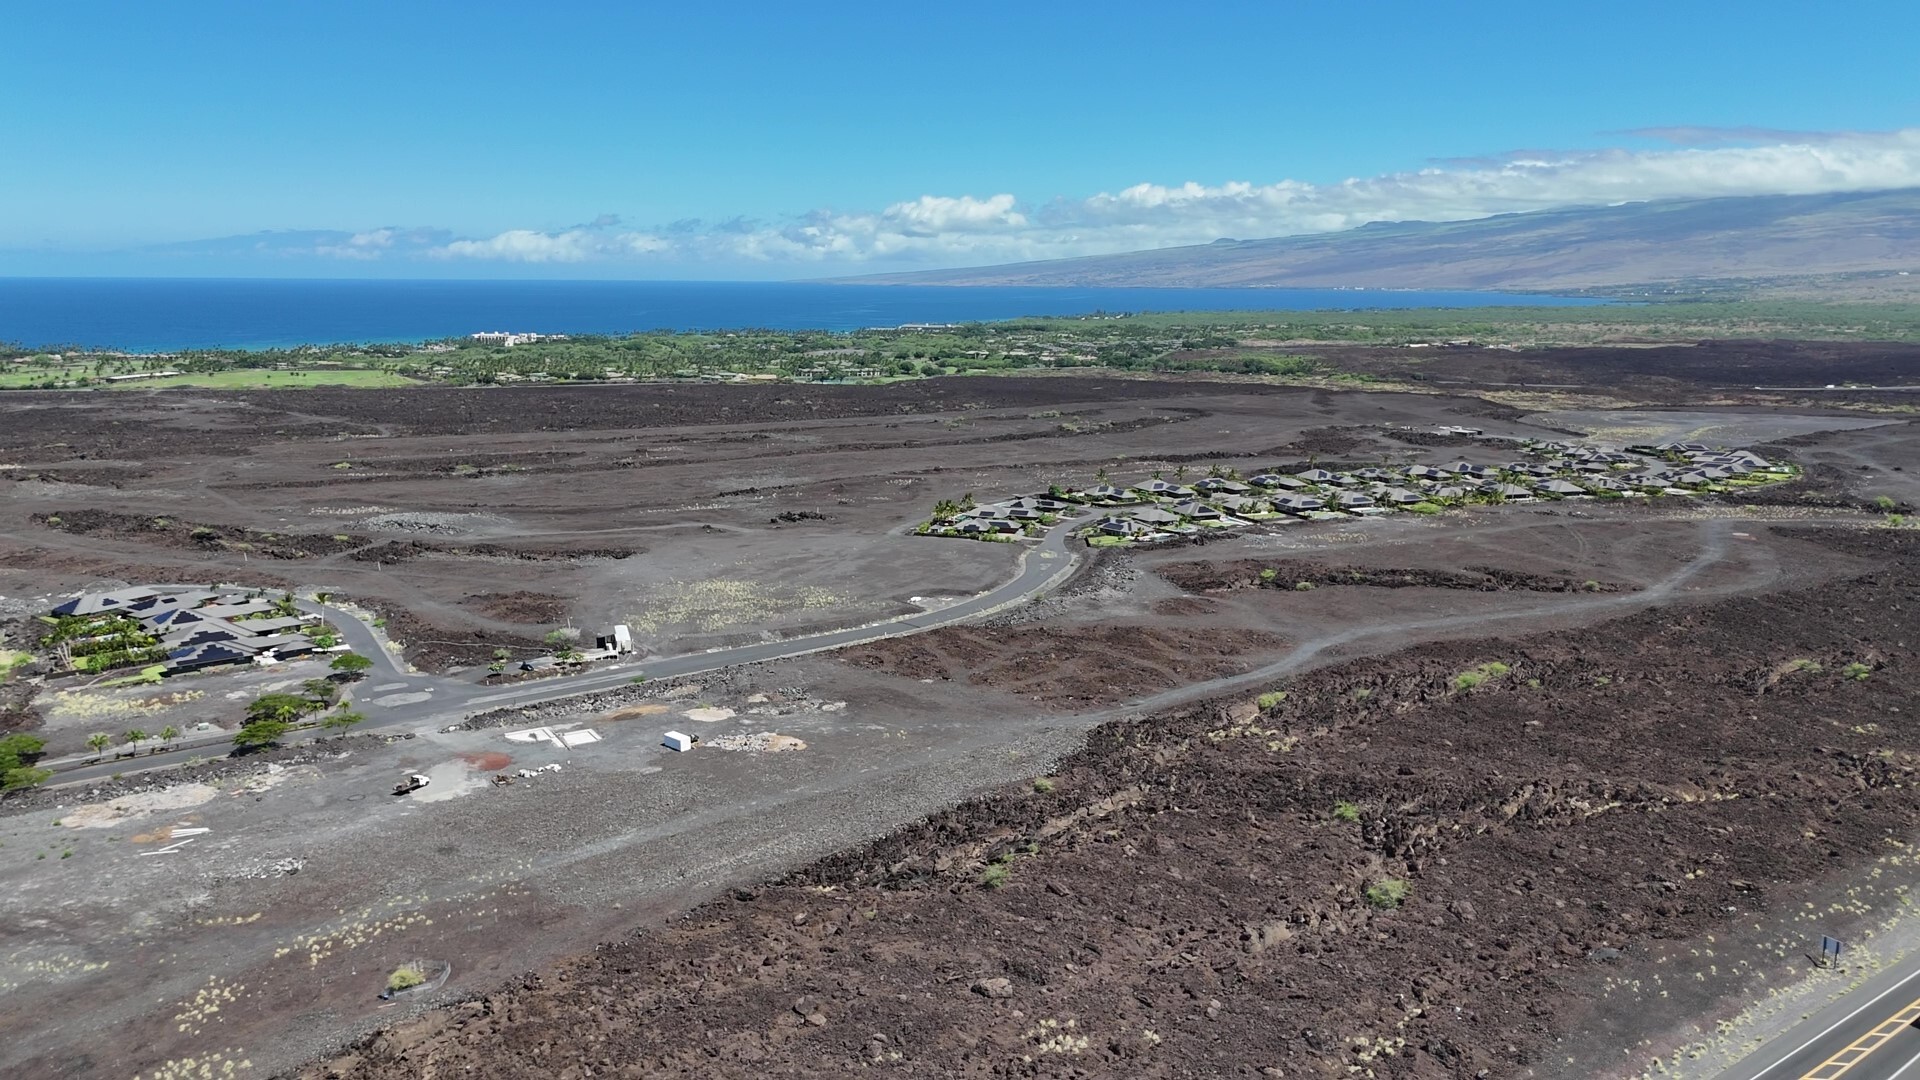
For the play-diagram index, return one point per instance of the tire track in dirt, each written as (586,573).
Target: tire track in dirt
(1716,534)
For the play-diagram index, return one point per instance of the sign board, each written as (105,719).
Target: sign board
(1829,947)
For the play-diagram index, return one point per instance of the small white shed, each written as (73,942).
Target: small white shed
(676,741)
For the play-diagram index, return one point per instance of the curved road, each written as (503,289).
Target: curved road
(390,695)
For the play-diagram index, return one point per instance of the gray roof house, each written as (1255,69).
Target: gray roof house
(1402,497)
(1214,485)
(209,654)
(1349,500)
(1298,504)
(1162,488)
(96,603)
(1561,487)
(1155,517)
(1197,511)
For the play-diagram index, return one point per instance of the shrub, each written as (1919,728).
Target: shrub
(1424,508)
(350,663)
(1267,575)
(1884,503)
(1303,586)
(1269,699)
(1043,785)
(1857,671)
(259,733)
(1468,680)
(1388,893)
(405,977)
(996,875)
(1346,811)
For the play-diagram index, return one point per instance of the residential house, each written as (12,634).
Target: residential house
(1155,517)
(1163,490)
(1193,510)
(1298,504)
(1220,485)
(104,602)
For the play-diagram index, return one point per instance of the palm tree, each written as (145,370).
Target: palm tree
(169,734)
(99,740)
(945,509)
(1100,475)
(966,501)
(133,735)
(1180,473)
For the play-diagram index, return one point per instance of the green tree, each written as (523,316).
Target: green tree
(134,735)
(945,509)
(284,607)
(967,502)
(259,733)
(342,720)
(320,691)
(18,752)
(350,663)
(278,708)
(99,740)
(169,734)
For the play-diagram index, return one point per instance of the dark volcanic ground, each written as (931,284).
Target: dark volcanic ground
(1186,900)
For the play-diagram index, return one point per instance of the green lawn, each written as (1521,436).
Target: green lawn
(249,378)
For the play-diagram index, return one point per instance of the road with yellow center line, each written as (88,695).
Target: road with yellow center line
(1871,1033)
(1859,1049)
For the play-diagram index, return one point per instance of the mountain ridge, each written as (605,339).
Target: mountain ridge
(1632,243)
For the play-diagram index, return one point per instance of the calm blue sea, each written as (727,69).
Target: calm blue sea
(162,314)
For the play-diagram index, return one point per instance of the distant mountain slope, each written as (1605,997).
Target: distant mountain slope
(1754,236)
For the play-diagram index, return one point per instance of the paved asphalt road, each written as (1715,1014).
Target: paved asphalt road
(1868,1034)
(390,696)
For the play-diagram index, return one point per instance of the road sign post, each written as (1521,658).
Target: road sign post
(1830,949)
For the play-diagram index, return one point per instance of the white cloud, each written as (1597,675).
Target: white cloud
(527,245)
(949,230)
(366,245)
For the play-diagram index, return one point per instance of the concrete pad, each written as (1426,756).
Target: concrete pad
(391,700)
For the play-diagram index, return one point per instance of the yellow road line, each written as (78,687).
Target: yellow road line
(1856,1052)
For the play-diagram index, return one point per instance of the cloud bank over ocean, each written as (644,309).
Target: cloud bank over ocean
(954,230)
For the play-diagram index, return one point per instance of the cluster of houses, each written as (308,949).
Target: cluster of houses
(1158,509)
(1008,519)
(199,628)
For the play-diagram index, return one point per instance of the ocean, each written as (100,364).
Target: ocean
(165,314)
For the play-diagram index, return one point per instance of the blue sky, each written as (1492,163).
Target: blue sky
(786,140)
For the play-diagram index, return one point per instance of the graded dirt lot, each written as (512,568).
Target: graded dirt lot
(1662,737)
